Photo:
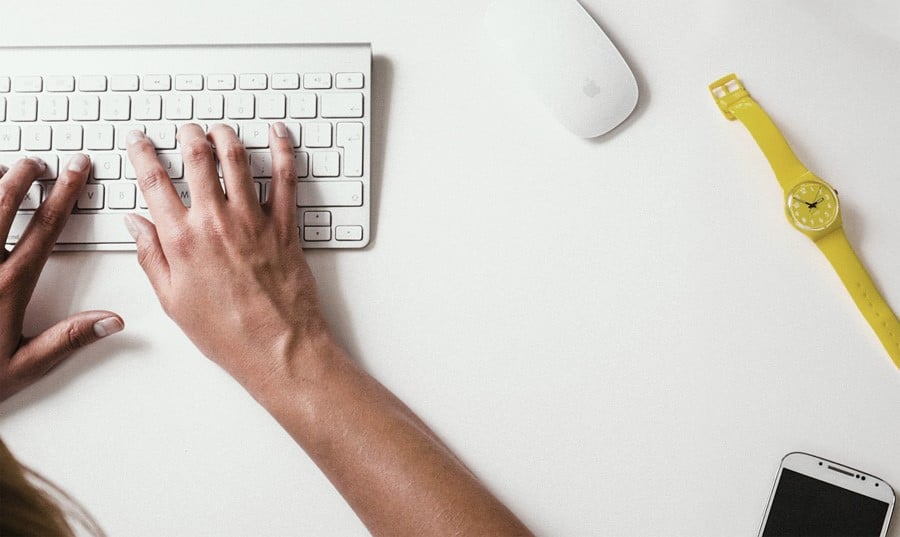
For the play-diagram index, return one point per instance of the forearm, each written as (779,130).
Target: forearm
(394,472)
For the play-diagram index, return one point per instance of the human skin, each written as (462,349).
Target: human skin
(231,273)
(23,360)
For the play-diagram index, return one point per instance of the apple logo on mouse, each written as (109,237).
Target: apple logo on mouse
(590,88)
(567,61)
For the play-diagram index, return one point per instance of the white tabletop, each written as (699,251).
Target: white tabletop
(620,336)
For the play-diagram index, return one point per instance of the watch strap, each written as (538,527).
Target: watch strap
(856,279)
(735,102)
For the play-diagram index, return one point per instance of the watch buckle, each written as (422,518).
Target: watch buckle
(726,91)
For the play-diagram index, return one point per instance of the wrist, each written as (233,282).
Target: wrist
(297,370)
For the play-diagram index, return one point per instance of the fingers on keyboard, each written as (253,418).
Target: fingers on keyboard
(154,180)
(49,219)
(235,163)
(200,166)
(15,185)
(282,199)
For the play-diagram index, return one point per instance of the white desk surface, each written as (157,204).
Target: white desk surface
(621,336)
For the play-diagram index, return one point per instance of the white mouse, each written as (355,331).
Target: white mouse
(567,59)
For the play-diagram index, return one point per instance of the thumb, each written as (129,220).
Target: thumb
(43,352)
(149,251)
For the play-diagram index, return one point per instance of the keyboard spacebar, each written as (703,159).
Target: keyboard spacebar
(81,229)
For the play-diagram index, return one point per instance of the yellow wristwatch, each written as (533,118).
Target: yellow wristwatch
(812,206)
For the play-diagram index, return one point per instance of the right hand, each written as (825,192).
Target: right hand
(229,270)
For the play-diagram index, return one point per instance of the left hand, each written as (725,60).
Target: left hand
(24,360)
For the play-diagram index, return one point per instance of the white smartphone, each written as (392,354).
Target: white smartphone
(815,497)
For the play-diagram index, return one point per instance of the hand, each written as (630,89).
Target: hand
(24,360)
(231,273)
(228,270)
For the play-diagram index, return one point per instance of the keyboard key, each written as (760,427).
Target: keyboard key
(317,80)
(106,166)
(67,137)
(122,196)
(179,106)
(317,218)
(123,83)
(9,137)
(83,229)
(326,164)
(63,84)
(22,108)
(157,82)
(98,136)
(231,124)
(261,164)
(162,135)
(126,128)
(220,82)
(189,82)
(92,83)
(115,107)
(32,198)
(54,107)
(27,84)
(311,234)
(36,137)
(2,108)
(255,135)
(348,233)
(173,164)
(271,106)
(91,197)
(348,81)
(294,133)
(183,192)
(329,194)
(210,106)
(130,172)
(85,107)
(288,81)
(317,134)
(4,84)
(148,107)
(253,81)
(9,159)
(335,105)
(240,106)
(301,164)
(349,136)
(303,106)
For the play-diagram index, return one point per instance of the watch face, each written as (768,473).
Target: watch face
(812,206)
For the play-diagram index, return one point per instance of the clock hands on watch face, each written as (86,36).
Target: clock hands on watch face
(814,205)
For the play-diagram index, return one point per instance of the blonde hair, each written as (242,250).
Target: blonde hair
(32,506)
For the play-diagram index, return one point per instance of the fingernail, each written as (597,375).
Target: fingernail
(134,137)
(108,326)
(131,225)
(280,130)
(40,162)
(78,163)
(3,169)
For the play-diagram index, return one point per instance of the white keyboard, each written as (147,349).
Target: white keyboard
(55,101)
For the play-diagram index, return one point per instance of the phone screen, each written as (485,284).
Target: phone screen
(804,507)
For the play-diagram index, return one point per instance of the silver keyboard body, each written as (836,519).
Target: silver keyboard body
(321,92)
